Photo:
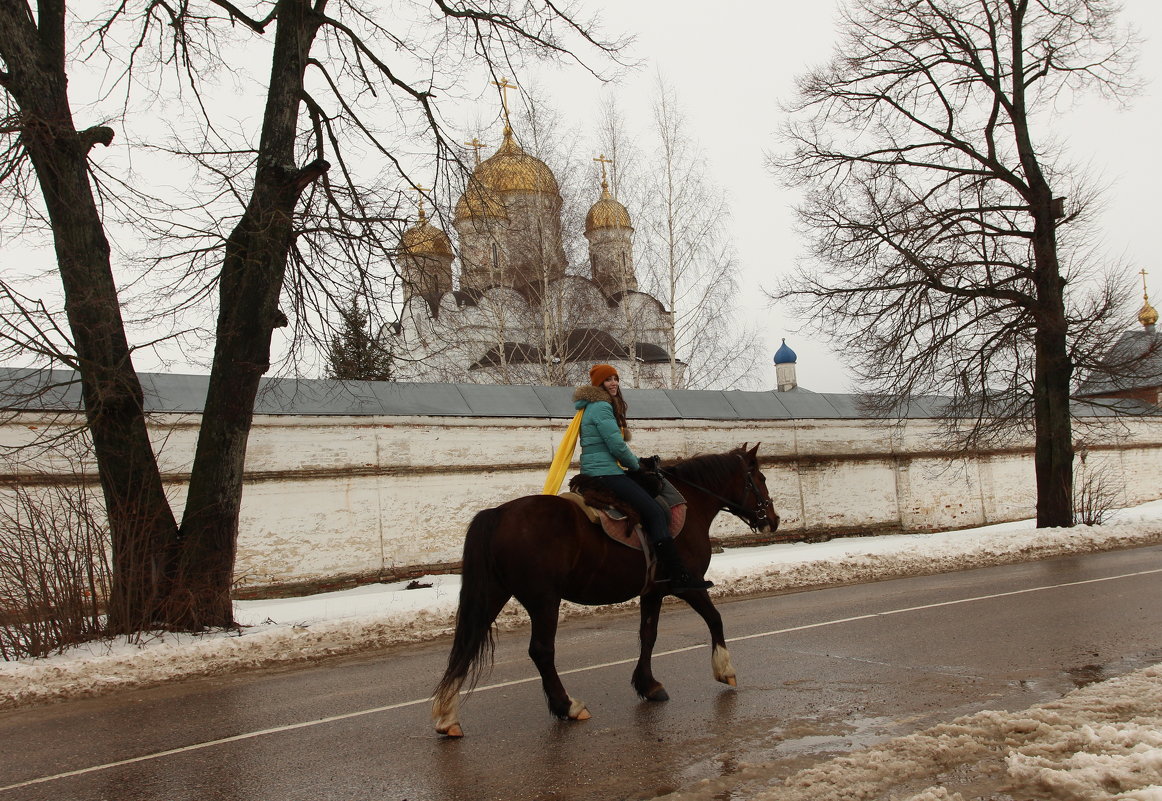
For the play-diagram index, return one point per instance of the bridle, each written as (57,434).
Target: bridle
(756,518)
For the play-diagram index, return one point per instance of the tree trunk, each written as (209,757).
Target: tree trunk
(1053,371)
(141,523)
(1052,368)
(251,284)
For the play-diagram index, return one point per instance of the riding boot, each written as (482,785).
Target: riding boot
(676,576)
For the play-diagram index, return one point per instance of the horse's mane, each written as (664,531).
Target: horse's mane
(708,468)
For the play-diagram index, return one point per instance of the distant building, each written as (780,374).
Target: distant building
(1132,368)
(513,315)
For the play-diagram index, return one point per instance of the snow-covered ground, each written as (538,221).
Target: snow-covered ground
(1101,742)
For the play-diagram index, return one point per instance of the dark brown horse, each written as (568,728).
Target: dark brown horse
(542,549)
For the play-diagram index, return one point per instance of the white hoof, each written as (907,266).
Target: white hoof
(577,710)
(445,712)
(723,669)
(451,730)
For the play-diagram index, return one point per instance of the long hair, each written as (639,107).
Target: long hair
(619,409)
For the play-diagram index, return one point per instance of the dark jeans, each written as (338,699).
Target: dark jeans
(654,521)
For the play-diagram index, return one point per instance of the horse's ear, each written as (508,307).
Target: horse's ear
(754,452)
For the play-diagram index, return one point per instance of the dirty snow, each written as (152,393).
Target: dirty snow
(1101,742)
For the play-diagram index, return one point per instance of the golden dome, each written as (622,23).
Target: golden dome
(479,201)
(1148,315)
(425,239)
(510,169)
(606,212)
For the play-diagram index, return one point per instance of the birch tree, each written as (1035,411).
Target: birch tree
(688,259)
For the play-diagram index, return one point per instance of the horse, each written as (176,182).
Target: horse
(542,549)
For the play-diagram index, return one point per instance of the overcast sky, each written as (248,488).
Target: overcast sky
(731,69)
(734,64)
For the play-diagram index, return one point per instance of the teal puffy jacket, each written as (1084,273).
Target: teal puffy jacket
(602,445)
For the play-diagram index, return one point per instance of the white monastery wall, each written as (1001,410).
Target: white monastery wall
(332,500)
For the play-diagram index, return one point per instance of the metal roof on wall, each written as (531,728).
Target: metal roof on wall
(43,390)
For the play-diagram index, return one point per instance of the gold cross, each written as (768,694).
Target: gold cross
(476,145)
(420,189)
(1143,273)
(504,87)
(603,161)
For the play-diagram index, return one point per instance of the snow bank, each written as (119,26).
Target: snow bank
(1099,743)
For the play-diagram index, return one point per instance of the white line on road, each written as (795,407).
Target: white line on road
(500,685)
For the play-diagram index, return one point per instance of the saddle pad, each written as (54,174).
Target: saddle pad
(589,511)
(619,530)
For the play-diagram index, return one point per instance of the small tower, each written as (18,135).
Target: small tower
(610,235)
(1147,315)
(785,359)
(426,257)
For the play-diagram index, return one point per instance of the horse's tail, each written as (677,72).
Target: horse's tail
(481,599)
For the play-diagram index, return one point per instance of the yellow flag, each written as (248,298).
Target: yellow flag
(564,456)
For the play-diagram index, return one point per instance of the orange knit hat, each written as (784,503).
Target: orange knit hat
(599,372)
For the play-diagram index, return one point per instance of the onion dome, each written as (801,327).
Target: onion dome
(785,355)
(1148,315)
(606,213)
(425,239)
(478,201)
(510,169)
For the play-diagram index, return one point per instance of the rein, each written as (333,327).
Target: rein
(752,517)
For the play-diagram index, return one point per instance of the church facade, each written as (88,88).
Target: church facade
(514,313)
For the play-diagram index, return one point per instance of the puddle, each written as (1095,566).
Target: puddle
(852,734)
(1086,674)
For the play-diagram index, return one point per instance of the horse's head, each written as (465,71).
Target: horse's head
(755,508)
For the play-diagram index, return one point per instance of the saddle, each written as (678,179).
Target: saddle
(618,519)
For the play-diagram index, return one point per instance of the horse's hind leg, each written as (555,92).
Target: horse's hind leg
(719,655)
(542,650)
(472,640)
(643,679)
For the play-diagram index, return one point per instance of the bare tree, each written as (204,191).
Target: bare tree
(299,181)
(688,259)
(946,225)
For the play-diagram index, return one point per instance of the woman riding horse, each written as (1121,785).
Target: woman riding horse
(605,457)
(542,549)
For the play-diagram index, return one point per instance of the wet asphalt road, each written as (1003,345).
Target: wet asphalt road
(820,673)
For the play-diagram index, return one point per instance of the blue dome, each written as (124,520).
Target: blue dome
(785,355)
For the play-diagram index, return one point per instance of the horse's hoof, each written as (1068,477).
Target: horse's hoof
(733,682)
(577,710)
(452,731)
(657,694)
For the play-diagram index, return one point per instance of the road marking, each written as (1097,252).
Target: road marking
(500,685)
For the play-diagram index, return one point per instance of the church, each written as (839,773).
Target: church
(516,313)
(1132,367)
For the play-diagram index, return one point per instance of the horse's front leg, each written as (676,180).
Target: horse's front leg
(542,650)
(643,679)
(719,655)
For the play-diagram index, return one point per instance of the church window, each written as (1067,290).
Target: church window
(495,257)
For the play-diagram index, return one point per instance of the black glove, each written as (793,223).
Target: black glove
(647,476)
